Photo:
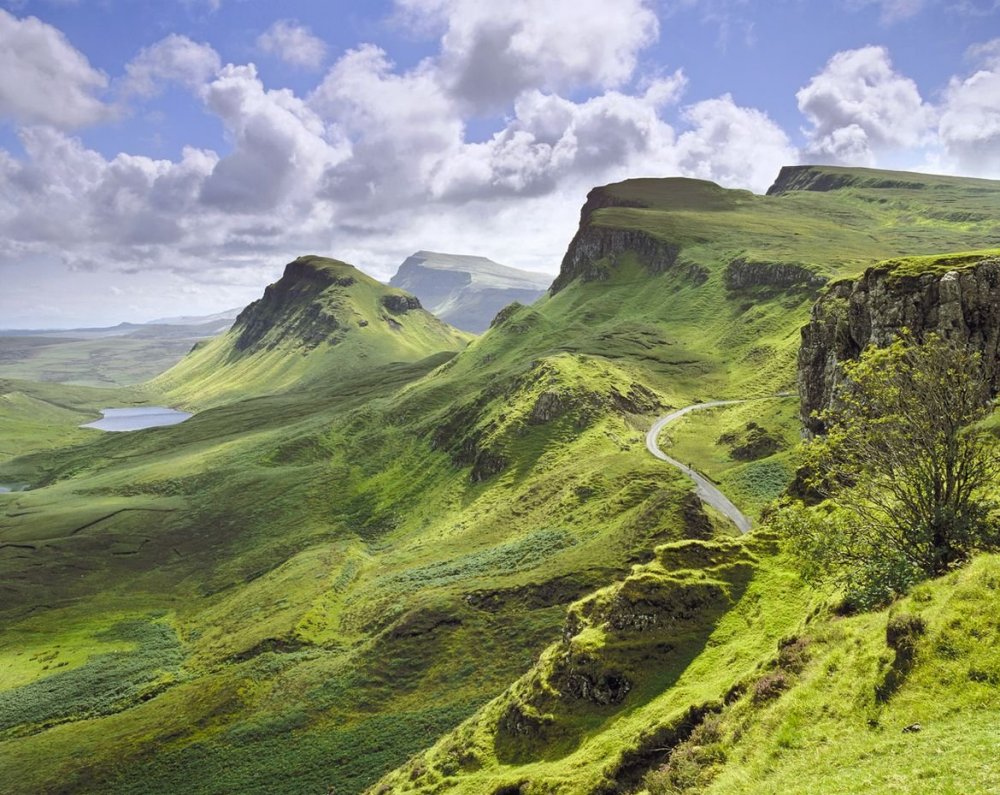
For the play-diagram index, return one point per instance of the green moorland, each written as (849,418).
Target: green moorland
(108,360)
(373,536)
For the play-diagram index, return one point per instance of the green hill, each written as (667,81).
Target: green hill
(323,319)
(366,538)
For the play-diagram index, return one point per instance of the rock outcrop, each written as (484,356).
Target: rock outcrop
(603,239)
(743,274)
(400,303)
(292,302)
(595,249)
(961,305)
(827,178)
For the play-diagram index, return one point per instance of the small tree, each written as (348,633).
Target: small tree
(905,467)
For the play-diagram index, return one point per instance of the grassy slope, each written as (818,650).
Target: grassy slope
(707,440)
(334,327)
(684,630)
(830,733)
(41,416)
(338,588)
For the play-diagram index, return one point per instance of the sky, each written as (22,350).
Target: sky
(162,158)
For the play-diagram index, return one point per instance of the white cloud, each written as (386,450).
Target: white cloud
(969,127)
(732,145)
(490,53)
(860,107)
(172,59)
(892,11)
(551,139)
(281,146)
(44,79)
(400,126)
(294,44)
(70,197)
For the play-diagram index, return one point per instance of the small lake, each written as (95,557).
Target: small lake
(137,419)
(6,488)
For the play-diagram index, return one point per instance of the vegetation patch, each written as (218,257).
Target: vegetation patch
(105,683)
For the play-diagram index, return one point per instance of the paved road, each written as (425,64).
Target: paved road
(705,489)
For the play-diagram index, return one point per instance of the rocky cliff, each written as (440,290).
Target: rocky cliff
(595,249)
(292,302)
(957,298)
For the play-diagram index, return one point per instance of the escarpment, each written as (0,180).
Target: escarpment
(594,248)
(961,304)
(743,274)
(291,302)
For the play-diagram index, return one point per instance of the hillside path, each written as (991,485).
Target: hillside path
(704,488)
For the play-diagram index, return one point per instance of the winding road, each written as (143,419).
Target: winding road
(704,488)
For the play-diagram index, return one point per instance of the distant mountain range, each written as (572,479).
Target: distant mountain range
(198,325)
(467,291)
(105,356)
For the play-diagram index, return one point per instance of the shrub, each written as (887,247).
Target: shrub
(770,686)
(906,469)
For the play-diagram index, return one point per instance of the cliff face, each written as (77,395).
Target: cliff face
(742,274)
(292,303)
(594,248)
(829,178)
(961,305)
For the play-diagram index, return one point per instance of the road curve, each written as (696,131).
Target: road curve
(704,488)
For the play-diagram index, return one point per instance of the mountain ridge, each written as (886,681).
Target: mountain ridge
(322,319)
(467,291)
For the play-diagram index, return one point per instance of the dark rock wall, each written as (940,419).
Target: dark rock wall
(961,305)
(289,301)
(742,274)
(595,248)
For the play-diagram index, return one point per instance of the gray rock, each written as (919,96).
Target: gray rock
(962,306)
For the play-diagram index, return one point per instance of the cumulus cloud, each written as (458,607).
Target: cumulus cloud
(733,145)
(69,196)
(491,53)
(399,124)
(550,139)
(175,59)
(969,127)
(281,146)
(859,106)
(44,79)
(294,44)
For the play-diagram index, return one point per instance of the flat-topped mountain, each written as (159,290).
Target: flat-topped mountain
(321,320)
(467,291)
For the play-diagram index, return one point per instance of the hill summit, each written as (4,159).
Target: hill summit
(321,320)
(467,291)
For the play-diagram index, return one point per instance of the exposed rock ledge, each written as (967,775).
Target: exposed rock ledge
(742,274)
(962,305)
(595,249)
